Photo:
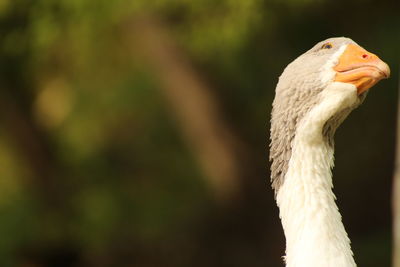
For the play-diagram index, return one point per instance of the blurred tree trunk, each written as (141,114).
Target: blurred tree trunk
(396,195)
(193,105)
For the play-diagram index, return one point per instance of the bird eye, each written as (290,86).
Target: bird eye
(327,46)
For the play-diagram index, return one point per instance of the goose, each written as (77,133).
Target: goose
(314,94)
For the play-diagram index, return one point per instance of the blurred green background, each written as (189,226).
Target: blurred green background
(135,133)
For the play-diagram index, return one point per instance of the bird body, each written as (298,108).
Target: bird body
(309,105)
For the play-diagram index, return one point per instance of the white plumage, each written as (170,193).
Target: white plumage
(309,105)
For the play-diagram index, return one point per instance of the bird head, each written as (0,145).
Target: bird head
(329,80)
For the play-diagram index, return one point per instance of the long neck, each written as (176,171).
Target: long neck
(315,235)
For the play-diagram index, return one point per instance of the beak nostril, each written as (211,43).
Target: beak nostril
(365,56)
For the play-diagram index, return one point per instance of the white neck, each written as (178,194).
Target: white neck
(315,235)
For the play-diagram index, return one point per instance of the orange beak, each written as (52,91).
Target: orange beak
(361,68)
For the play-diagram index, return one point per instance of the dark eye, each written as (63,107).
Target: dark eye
(327,46)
